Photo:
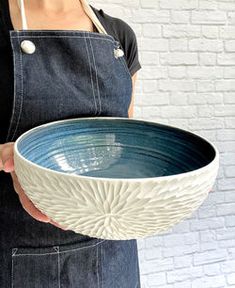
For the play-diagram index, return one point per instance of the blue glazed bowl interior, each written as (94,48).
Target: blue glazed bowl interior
(115,148)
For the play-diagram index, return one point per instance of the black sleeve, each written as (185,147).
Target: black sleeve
(128,40)
(122,32)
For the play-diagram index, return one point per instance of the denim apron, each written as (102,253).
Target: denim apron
(61,74)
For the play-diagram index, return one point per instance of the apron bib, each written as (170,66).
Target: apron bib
(61,74)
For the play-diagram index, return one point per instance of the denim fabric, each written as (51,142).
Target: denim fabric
(71,74)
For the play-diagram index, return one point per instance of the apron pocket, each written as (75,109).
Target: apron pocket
(66,266)
(34,267)
(80,265)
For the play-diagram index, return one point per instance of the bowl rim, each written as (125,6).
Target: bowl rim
(145,179)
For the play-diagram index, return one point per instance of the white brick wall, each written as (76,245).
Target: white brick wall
(187,50)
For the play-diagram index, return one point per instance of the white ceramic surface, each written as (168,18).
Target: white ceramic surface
(117,209)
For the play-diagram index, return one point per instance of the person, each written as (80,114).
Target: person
(59,59)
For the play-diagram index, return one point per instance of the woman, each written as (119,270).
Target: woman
(62,59)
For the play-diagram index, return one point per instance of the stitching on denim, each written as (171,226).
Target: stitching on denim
(98,91)
(92,84)
(97,265)
(57,248)
(14,250)
(31,36)
(94,245)
(12,272)
(60,252)
(14,101)
(21,94)
(125,65)
(101,266)
(127,70)
(97,34)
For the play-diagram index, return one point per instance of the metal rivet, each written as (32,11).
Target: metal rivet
(28,47)
(118,53)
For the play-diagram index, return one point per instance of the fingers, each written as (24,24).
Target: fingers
(28,204)
(9,165)
(7,157)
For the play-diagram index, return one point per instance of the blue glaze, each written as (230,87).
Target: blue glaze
(115,148)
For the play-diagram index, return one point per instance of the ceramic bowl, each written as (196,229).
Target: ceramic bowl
(115,178)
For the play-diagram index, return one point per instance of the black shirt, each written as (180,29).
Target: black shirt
(115,27)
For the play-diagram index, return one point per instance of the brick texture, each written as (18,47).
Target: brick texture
(187,52)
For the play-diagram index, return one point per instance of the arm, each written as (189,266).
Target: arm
(130,110)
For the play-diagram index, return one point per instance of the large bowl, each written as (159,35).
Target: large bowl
(115,178)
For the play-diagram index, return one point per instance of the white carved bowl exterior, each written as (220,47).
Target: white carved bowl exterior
(115,209)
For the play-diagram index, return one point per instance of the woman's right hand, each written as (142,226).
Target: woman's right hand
(7,165)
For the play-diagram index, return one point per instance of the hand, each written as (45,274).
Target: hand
(7,165)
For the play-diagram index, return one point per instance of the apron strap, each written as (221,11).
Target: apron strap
(23,16)
(91,14)
(87,9)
